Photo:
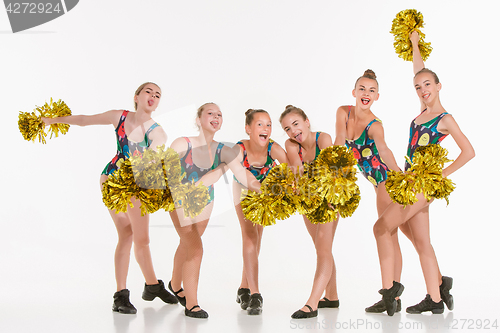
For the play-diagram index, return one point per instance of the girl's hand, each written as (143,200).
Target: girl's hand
(47,121)
(414,38)
(445,173)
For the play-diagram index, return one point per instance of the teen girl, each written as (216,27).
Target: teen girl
(199,155)
(431,126)
(258,155)
(135,132)
(303,146)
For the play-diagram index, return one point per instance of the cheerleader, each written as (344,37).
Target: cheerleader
(258,155)
(430,127)
(360,130)
(135,132)
(200,155)
(304,146)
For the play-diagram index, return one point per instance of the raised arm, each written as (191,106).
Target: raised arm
(340,126)
(450,126)
(105,118)
(418,62)
(376,132)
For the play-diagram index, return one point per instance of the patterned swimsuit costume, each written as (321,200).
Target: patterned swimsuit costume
(424,134)
(193,172)
(126,147)
(317,150)
(366,153)
(260,173)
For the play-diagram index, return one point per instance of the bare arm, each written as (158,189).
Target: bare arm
(292,154)
(278,153)
(467,151)
(158,137)
(324,140)
(105,118)
(376,132)
(418,62)
(340,126)
(230,157)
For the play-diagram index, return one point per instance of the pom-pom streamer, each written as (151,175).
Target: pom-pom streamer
(405,22)
(32,127)
(425,176)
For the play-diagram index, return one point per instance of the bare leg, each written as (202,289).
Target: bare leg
(188,258)
(322,235)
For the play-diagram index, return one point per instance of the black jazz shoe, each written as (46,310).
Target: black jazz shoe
(158,290)
(326,303)
(255,306)
(426,305)
(243,297)
(389,297)
(444,290)
(181,299)
(202,314)
(122,303)
(299,314)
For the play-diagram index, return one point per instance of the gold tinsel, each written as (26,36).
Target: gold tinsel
(326,187)
(153,178)
(425,176)
(403,25)
(32,127)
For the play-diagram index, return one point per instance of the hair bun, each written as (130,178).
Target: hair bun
(249,111)
(370,74)
(289,107)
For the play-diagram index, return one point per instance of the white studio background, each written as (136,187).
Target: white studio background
(57,237)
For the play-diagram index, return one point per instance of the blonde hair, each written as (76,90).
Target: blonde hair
(369,74)
(292,109)
(138,91)
(200,111)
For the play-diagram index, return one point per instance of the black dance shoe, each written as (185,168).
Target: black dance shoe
(444,290)
(299,314)
(158,290)
(426,305)
(326,303)
(379,307)
(255,306)
(181,299)
(243,297)
(389,297)
(202,314)
(122,303)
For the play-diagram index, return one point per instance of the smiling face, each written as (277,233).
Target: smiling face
(210,118)
(426,87)
(365,92)
(148,97)
(260,128)
(296,127)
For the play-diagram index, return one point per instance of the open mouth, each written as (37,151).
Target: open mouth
(151,102)
(298,137)
(214,123)
(365,101)
(425,96)
(263,136)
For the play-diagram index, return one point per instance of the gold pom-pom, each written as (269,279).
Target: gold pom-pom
(32,127)
(324,213)
(403,25)
(425,176)
(191,197)
(277,199)
(119,188)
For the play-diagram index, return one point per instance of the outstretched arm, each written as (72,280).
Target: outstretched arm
(245,177)
(376,132)
(292,154)
(418,62)
(105,118)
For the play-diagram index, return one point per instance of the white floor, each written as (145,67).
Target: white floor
(66,282)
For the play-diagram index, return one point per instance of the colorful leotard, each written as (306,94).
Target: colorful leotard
(424,134)
(317,149)
(193,172)
(365,151)
(260,173)
(126,147)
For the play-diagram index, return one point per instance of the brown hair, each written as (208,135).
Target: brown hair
(427,70)
(292,109)
(369,74)
(250,113)
(138,91)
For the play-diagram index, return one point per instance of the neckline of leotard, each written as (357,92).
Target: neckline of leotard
(422,124)
(189,151)
(366,128)
(152,127)
(245,155)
